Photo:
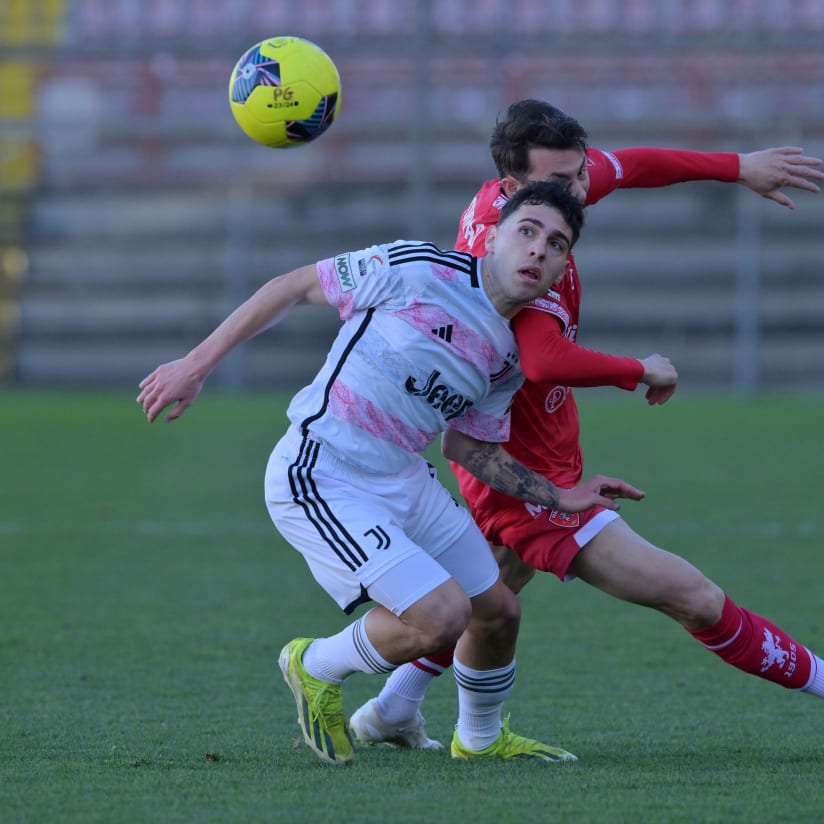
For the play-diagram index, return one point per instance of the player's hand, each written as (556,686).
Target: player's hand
(597,491)
(660,376)
(767,171)
(656,395)
(173,382)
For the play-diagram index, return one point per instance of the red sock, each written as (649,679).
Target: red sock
(756,646)
(436,664)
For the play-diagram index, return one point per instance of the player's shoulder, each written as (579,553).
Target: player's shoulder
(549,302)
(555,301)
(482,212)
(421,251)
(487,203)
(490,193)
(417,266)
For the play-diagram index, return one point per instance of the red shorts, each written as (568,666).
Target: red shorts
(545,539)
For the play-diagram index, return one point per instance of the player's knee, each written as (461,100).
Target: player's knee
(505,625)
(702,604)
(711,604)
(444,621)
(496,613)
(446,633)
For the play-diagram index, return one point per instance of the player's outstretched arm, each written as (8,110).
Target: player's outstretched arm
(492,464)
(179,382)
(769,170)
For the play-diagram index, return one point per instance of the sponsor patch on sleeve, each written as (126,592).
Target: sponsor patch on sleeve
(368,266)
(345,273)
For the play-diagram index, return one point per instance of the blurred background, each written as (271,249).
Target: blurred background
(135,214)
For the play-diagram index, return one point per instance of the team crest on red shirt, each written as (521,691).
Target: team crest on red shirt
(568,519)
(555,398)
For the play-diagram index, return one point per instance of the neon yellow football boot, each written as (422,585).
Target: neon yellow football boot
(320,706)
(509,745)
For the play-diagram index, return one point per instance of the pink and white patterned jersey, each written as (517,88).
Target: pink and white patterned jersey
(421,349)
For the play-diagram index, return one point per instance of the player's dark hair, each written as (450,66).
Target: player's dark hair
(548,193)
(529,124)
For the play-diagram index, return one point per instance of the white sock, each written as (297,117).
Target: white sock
(481,696)
(403,693)
(334,658)
(815,686)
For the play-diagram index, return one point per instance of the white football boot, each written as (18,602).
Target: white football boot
(369,728)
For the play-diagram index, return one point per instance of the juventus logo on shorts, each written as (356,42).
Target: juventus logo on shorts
(379,534)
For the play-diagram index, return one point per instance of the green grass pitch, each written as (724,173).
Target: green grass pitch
(144,596)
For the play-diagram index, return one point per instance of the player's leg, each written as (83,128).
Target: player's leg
(514,572)
(486,648)
(484,670)
(407,685)
(394,715)
(342,524)
(621,563)
(546,541)
(315,668)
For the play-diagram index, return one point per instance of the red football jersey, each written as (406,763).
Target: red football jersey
(545,428)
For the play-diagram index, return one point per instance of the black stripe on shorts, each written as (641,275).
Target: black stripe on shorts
(306,494)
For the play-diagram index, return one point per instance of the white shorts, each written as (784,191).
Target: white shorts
(387,538)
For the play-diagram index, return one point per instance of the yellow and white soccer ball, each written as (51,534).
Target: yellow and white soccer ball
(284,92)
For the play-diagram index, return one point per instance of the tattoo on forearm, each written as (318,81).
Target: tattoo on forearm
(491,464)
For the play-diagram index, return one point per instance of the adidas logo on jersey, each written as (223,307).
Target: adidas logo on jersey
(444,332)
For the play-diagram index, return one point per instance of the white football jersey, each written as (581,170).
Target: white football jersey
(421,349)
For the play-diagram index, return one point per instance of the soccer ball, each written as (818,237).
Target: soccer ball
(284,92)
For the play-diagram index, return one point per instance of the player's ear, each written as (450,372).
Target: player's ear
(509,185)
(489,240)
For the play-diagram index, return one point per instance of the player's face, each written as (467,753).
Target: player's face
(567,166)
(527,254)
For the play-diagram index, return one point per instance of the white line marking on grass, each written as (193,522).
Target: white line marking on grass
(194,529)
(198,529)
(751,529)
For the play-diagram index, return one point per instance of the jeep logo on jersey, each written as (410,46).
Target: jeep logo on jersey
(346,277)
(439,395)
